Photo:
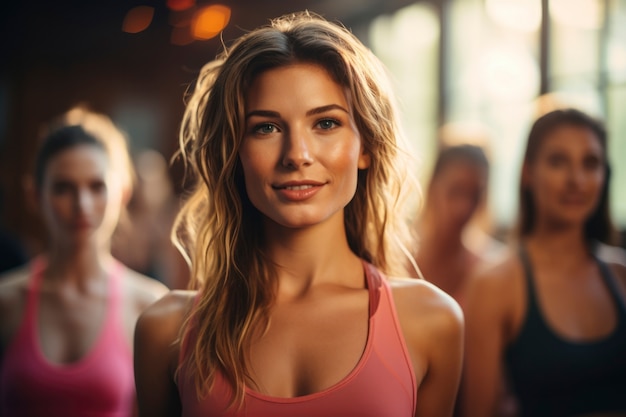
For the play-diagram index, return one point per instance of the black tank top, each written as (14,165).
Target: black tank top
(553,377)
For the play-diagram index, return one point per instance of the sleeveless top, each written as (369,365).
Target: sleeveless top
(100,384)
(382,383)
(557,378)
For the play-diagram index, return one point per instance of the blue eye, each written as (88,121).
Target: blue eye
(265,128)
(327,124)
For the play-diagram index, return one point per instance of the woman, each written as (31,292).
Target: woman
(67,319)
(450,247)
(290,229)
(552,311)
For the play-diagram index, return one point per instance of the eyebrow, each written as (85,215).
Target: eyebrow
(317,110)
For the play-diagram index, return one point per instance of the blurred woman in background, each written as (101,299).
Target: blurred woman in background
(552,313)
(67,318)
(450,247)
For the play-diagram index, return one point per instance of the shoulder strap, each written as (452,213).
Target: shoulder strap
(529,278)
(609,279)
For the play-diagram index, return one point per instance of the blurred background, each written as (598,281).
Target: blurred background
(486,68)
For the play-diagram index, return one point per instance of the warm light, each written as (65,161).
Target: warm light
(582,14)
(138,19)
(179,5)
(411,28)
(505,74)
(523,15)
(210,21)
(616,61)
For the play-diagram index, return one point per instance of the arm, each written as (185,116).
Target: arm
(438,390)
(484,344)
(156,356)
(432,323)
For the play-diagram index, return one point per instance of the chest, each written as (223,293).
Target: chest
(310,346)
(68,328)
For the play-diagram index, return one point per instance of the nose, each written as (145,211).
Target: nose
(576,176)
(83,201)
(297,149)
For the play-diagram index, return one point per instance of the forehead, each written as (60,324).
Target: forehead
(294,83)
(461,167)
(78,161)
(571,137)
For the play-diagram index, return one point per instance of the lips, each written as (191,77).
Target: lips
(297,185)
(298,190)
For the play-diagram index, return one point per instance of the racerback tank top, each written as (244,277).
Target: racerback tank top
(381,385)
(554,377)
(100,384)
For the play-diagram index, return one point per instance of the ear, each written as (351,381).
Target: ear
(365,159)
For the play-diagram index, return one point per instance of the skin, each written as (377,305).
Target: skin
(300,128)
(444,257)
(565,179)
(80,202)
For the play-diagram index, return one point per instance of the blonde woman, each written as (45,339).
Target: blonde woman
(292,231)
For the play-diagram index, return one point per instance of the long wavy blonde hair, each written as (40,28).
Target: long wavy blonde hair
(218,229)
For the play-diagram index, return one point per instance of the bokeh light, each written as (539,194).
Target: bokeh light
(179,5)
(138,19)
(210,21)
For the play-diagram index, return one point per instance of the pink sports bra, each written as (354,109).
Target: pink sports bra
(101,384)
(382,384)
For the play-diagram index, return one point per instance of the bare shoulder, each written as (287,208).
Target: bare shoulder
(174,302)
(494,278)
(13,283)
(428,316)
(419,300)
(142,289)
(163,319)
(13,286)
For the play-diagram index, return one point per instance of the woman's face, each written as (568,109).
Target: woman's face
(566,176)
(301,149)
(457,191)
(79,200)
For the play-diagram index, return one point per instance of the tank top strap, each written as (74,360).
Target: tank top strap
(609,279)
(114,320)
(37,267)
(529,278)
(374,283)
(115,285)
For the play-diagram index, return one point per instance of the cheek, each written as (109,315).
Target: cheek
(252,171)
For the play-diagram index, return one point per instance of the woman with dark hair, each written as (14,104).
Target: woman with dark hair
(67,318)
(553,314)
(448,250)
(294,225)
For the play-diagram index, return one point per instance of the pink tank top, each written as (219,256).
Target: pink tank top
(381,385)
(101,384)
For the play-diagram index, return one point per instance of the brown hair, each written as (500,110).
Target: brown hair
(218,229)
(599,225)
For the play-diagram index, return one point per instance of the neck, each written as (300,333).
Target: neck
(444,241)
(77,264)
(562,244)
(312,256)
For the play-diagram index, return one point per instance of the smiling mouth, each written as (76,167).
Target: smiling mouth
(296,187)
